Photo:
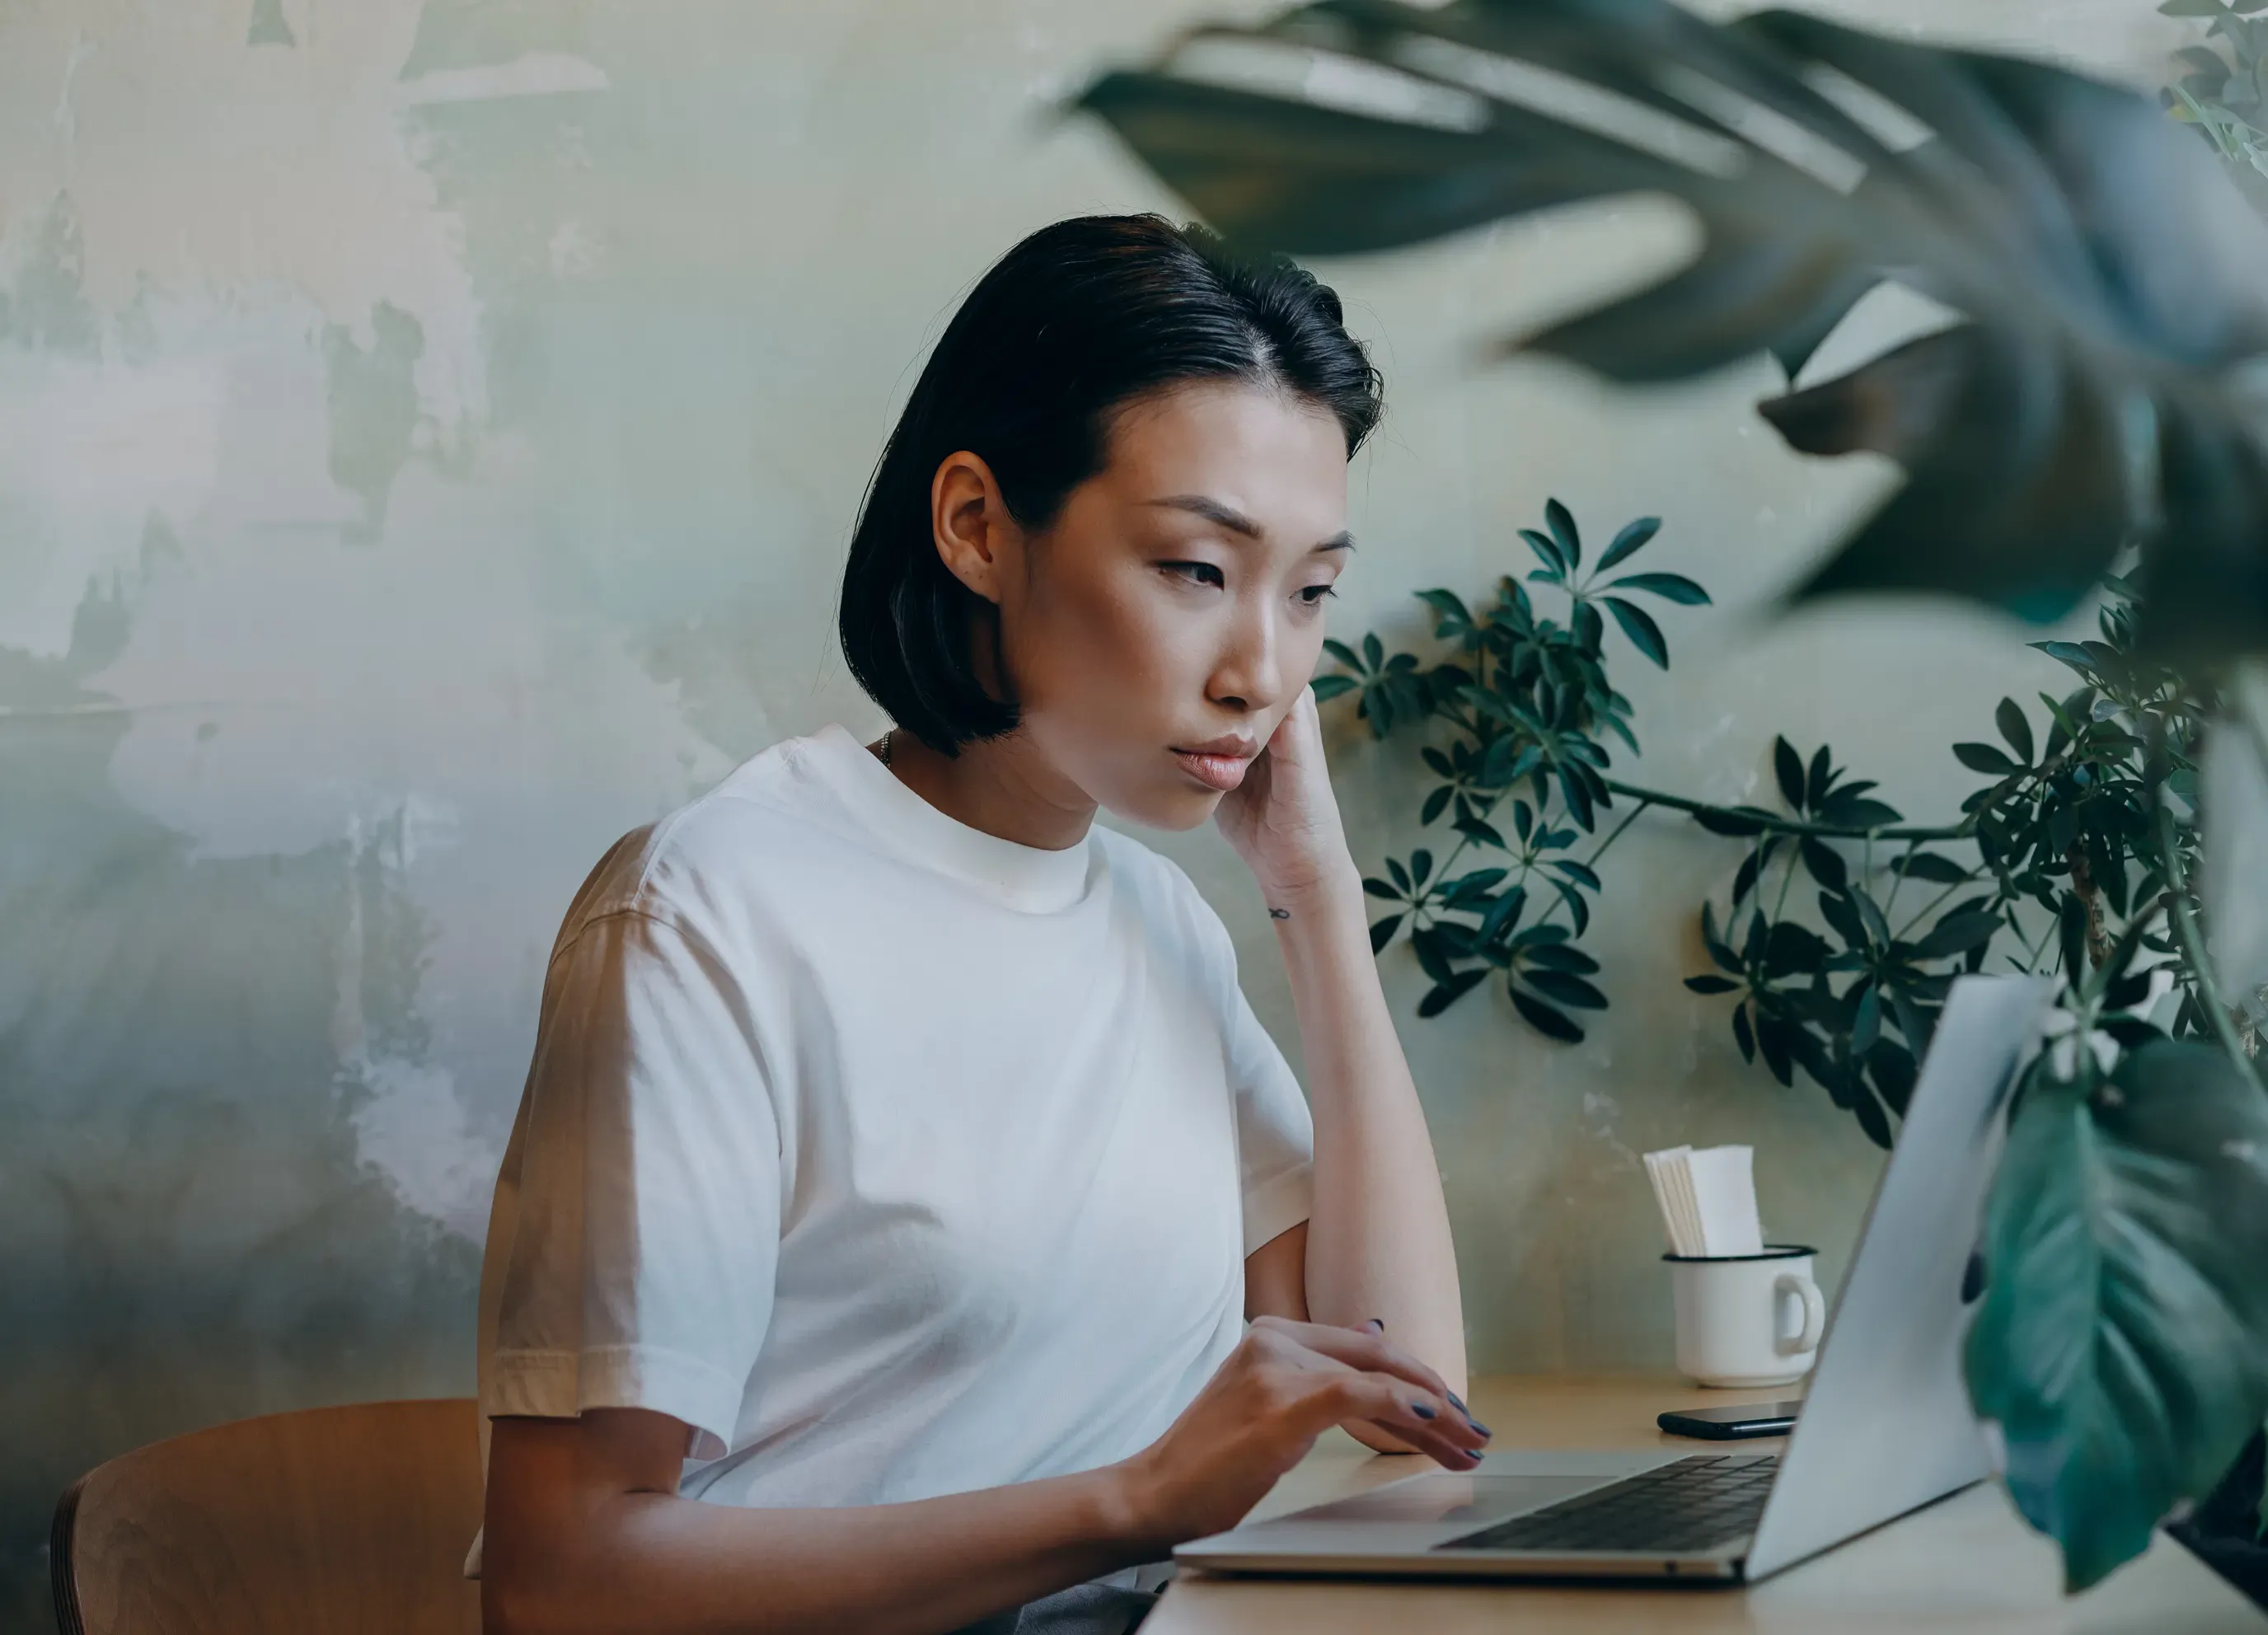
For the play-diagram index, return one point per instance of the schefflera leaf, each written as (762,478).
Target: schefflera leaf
(2122,1344)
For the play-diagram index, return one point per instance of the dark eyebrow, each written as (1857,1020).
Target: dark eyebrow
(1235,522)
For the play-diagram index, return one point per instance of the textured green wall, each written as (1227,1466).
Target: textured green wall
(427,433)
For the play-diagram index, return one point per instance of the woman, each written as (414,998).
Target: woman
(900,1165)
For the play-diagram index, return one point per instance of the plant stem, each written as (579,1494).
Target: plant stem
(1926,909)
(1788,826)
(1600,850)
(2193,948)
(1898,879)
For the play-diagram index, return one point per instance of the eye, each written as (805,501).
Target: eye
(1196,574)
(1313,594)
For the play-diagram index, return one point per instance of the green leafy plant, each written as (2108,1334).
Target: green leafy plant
(2225,92)
(2092,408)
(1522,770)
(1842,980)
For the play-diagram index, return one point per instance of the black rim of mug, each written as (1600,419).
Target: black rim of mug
(1777,1251)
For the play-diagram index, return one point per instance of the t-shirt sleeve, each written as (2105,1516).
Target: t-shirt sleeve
(1275,1134)
(640,1267)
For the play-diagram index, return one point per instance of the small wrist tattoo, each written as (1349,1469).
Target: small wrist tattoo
(1279,914)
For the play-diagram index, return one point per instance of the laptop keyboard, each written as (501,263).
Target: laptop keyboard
(1693,1504)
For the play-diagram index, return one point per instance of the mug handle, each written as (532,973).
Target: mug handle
(1815,1314)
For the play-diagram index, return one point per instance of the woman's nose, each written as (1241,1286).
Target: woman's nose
(1249,675)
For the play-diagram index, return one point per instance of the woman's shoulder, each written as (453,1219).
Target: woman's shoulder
(718,849)
(1168,899)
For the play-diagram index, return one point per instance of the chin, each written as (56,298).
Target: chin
(1170,809)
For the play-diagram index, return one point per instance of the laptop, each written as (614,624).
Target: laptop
(1886,1427)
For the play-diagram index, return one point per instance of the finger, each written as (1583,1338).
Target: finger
(1418,1418)
(1368,1348)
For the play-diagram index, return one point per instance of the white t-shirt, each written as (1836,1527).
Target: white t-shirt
(895,1159)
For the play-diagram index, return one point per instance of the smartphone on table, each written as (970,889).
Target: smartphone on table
(1725,1424)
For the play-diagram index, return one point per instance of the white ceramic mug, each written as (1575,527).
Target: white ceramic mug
(1747,1319)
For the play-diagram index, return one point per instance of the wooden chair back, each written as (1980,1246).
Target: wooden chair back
(335,1522)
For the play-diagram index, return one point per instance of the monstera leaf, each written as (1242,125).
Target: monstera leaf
(2109,273)
(2122,1341)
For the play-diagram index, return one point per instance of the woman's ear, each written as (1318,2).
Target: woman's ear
(970,523)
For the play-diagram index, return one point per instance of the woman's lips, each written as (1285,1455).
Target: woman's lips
(1221,772)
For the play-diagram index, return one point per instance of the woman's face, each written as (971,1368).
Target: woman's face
(1158,630)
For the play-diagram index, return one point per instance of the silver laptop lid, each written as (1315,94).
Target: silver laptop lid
(1887,1427)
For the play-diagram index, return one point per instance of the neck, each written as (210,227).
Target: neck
(998,787)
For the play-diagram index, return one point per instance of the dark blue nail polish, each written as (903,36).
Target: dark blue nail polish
(1378,1323)
(1458,1403)
(1422,1412)
(1478,1426)
(1473,1453)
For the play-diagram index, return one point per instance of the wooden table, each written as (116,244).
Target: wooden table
(1966,1563)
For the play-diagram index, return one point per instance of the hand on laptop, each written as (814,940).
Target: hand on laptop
(1281,1388)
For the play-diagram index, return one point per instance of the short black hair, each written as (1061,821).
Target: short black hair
(1077,321)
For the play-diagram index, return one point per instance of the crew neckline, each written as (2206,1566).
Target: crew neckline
(1031,878)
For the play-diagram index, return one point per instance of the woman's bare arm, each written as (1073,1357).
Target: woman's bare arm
(586,1532)
(1377,1244)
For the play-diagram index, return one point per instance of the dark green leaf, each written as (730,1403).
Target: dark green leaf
(2014,727)
(1633,539)
(1503,914)
(1455,614)
(1443,995)
(1344,654)
(2122,1345)
(1788,767)
(1866,1021)
(1712,984)
(1727,822)
(1870,915)
(1401,875)
(1421,866)
(1560,956)
(1381,932)
(1581,874)
(1743,1035)
(1892,1068)
(1373,650)
(1958,933)
(1669,586)
(1434,805)
(1852,811)
(1930,865)
(1826,864)
(1555,561)
(1772,1039)
(1817,780)
(1792,950)
(1869,1114)
(1380,888)
(1565,987)
(1550,1023)
(1432,951)
(1328,687)
(1744,880)
(1984,758)
(1639,625)
(1561,521)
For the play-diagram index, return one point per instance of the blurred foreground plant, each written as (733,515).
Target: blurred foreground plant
(2099,397)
